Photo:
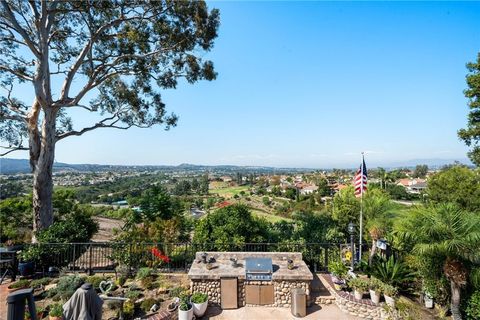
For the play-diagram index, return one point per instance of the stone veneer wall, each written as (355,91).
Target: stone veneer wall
(282,289)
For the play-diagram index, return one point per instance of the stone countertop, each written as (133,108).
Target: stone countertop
(222,268)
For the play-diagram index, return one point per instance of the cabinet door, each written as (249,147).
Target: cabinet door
(267,294)
(228,290)
(252,294)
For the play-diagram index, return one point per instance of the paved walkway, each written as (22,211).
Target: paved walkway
(326,312)
(3,299)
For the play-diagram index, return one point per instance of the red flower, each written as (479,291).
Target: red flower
(159,255)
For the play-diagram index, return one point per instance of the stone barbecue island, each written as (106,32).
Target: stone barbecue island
(256,279)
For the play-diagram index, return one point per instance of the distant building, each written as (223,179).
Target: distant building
(308,190)
(413,185)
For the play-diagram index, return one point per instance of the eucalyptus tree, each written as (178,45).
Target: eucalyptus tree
(120,52)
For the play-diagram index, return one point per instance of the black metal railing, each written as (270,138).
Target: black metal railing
(106,256)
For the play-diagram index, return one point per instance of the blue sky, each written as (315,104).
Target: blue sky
(312,84)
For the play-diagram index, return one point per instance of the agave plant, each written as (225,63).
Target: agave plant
(392,271)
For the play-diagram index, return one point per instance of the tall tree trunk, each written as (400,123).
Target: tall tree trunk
(42,174)
(455,301)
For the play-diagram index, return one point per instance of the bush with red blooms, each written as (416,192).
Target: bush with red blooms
(159,255)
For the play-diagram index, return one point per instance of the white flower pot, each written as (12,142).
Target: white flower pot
(358,294)
(428,301)
(185,315)
(375,296)
(389,301)
(200,308)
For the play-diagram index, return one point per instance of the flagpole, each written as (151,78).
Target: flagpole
(361,216)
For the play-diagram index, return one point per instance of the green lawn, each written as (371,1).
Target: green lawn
(269,217)
(229,191)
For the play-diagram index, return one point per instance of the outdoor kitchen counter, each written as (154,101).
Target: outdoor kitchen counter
(222,267)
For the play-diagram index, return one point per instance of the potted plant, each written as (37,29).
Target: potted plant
(389,292)
(26,265)
(56,312)
(338,272)
(359,286)
(200,302)
(185,309)
(375,287)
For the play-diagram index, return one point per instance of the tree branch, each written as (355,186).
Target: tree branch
(16,73)
(11,17)
(12,149)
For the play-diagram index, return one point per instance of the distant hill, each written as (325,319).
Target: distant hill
(12,166)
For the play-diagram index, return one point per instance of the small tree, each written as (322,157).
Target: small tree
(122,51)
(471,135)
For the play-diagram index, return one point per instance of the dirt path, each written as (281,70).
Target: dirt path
(105,230)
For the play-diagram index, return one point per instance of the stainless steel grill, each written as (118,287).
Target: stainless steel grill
(258,269)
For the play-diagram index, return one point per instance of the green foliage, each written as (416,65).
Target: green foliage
(133,294)
(23,283)
(346,206)
(375,284)
(199,297)
(129,309)
(157,203)
(16,219)
(176,292)
(147,304)
(392,271)
(56,310)
(231,225)
(148,283)
(338,268)
(66,287)
(37,283)
(421,171)
(456,184)
(143,273)
(389,290)
(96,280)
(471,134)
(472,311)
(358,284)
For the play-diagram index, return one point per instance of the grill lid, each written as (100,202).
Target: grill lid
(258,265)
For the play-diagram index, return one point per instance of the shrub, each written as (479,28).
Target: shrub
(121,281)
(375,285)
(472,311)
(95,281)
(20,284)
(389,290)
(147,304)
(56,310)
(176,292)
(143,273)
(199,297)
(40,282)
(358,284)
(148,283)
(133,294)
(338,268)
(128,309)
(392,271)
(66,287)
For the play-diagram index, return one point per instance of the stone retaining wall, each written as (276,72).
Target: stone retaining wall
(282,289)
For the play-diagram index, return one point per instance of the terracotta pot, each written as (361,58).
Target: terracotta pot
(54,318)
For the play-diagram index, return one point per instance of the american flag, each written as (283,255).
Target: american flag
(360,181)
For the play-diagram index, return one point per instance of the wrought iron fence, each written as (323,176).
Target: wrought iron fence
(106,256)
